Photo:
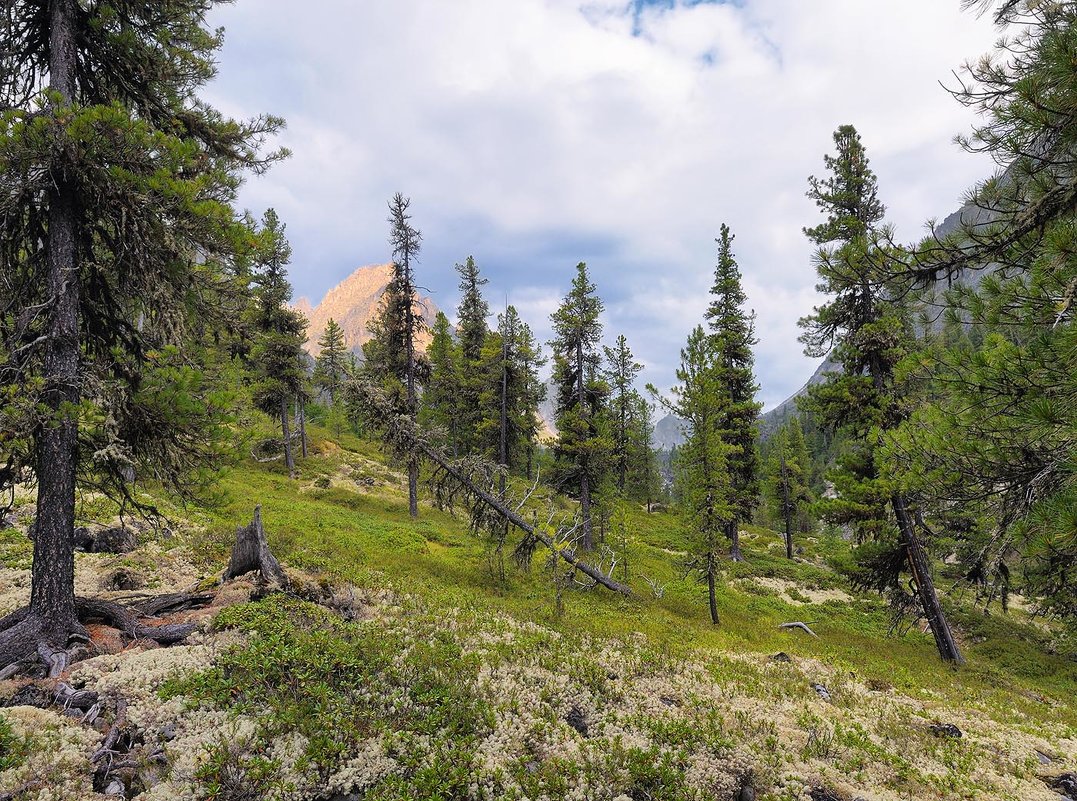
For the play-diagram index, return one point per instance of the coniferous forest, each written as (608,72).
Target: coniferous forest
(442,554)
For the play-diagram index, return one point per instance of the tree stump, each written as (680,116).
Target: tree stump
(251,553)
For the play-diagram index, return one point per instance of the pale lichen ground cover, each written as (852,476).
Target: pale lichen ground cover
(697,725)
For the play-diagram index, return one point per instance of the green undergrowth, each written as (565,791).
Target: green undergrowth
(360,532)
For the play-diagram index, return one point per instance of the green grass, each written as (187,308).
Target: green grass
(364,535)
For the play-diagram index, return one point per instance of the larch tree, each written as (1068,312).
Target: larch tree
(331,366)
(391,355)
(278,360)
(581,451)
(865,326)
(701,464)
(733,331)
(117,243)
(621,371)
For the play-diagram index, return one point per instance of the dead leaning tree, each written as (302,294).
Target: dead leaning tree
(458,481)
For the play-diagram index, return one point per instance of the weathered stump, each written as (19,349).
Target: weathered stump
(251,553)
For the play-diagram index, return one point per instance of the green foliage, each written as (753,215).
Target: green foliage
(152,173)
(13,750)
(582,447)
(331,367)
(733,332)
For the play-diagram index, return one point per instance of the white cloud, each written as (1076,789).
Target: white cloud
(537,133)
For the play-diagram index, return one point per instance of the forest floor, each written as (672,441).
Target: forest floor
(407,664)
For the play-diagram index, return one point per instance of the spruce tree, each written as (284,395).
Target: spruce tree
(621,372)
(390,355)
(733,331)
(581,450)
(866,325)
(533,393)
(107,273)
(472,332)
(786,486)
(701,465)
(441,395)
(279,362)
(331,366)
(644,482)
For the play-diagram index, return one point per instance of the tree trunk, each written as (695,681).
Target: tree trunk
(302,416)
(251,552)
(925,587)
(409,339)
(787,508)
(286,435)
(588,540)
(711,598)
(52,594)
(732,531)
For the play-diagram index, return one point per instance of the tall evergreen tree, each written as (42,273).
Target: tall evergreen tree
(644,481)
(278,359)
(533,393)
(581,450)
(511,360)
(441,396)
(703,483)
(473,333)
(787,476)
(390,354)
(105,271)
(331,366)
(996,432)
(733,331)
(867,327)
(621,372)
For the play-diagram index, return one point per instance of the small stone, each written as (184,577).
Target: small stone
(117,539)
(115,787)
(1045,759)
(577,720)
(823,794)
(122,579)
(945,730)
(665,699)
(1065,784)
(781,656)
(746,794)
(821,691)
(8,520)
(168,731)
(83,539)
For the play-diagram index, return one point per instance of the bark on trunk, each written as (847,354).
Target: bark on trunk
(302,416)
(409,338)
(711,597)
(925,586)
(787,507)
(52,594)
(587,540)
(286,435)
(251,552)
(732,531)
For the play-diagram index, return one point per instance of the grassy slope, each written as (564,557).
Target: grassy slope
(348,532)
(346,518)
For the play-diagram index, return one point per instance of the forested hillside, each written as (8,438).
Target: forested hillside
(249,550)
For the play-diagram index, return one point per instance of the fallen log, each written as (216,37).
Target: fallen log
(796,624)
(512,517)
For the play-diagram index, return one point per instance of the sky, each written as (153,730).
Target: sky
(535,134)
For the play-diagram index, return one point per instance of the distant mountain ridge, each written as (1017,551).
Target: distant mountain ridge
(353,303)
